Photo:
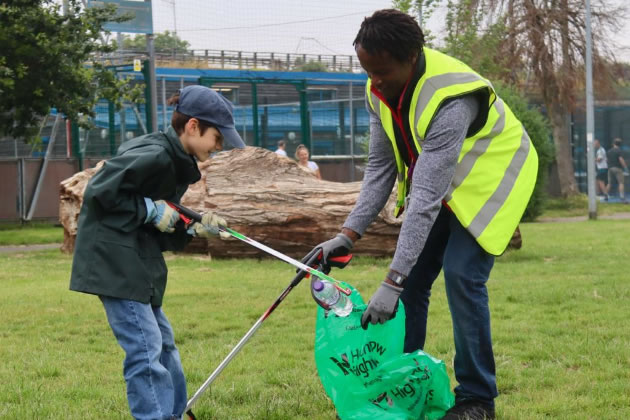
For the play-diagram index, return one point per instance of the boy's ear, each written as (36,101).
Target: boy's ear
(192,126)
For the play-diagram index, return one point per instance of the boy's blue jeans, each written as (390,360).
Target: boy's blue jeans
(156,386)
(466,270)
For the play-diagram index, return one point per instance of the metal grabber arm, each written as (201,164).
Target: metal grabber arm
(304,271)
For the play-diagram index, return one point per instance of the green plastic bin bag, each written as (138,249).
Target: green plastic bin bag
(366,374)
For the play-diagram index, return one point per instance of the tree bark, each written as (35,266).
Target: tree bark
(266,197)
(70,201)
(564,157)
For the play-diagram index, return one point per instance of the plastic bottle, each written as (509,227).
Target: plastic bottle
(326,293)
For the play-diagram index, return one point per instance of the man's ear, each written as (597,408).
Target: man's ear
(413,58)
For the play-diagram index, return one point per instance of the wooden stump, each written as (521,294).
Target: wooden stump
(266,197)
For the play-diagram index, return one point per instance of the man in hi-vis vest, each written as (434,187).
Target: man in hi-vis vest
(465,169)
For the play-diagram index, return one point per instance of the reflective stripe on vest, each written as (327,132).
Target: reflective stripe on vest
(497,166)
(388,126)
(468,82)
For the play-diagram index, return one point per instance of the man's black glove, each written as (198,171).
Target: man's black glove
(338,246)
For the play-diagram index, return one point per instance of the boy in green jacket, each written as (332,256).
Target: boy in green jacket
(124,226)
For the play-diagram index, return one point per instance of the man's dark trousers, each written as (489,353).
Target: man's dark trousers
(466,270)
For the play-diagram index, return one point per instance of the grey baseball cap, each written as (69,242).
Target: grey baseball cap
(212,108)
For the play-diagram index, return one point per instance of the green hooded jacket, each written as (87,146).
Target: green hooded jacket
(116,254)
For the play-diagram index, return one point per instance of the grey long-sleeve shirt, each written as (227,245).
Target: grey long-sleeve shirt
(432,177)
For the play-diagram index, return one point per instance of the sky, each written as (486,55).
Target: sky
(284,26)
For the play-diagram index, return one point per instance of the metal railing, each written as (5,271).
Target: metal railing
(229,59)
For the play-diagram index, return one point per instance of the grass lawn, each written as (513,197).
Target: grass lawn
(578,206)
(31,233)
(48,232)
(559,317)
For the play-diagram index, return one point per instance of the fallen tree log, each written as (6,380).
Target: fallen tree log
(70,201)
(266,197)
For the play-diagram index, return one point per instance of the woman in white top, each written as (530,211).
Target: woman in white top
(302,155)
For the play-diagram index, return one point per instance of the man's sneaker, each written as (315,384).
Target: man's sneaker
(470,410)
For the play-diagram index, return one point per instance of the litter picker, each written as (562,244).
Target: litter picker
(189,215)
(304,271)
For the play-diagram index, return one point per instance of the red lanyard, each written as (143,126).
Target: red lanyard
(398,119)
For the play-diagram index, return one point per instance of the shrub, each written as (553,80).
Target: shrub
(539,131)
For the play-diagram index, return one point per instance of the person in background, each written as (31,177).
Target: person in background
(601,164)
(617,168)
(466,169)
(302,155)
(281,150)
(126,223)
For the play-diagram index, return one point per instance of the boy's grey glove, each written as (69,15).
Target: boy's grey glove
(163,216)
(209,227)
(338,246)
(382,306)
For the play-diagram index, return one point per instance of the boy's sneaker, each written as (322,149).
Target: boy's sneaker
(470,410)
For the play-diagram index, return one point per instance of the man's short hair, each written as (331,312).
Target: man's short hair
(393,31)
(281,143)
(617,141)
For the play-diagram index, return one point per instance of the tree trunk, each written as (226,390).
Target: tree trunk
(564,156)
(266,197)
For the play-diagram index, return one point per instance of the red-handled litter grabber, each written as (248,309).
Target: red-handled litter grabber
(313,261)
(194,216)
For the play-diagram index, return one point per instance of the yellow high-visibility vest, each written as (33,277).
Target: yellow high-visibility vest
(497,166)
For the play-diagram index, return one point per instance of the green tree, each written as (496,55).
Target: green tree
(48,60)
(167,42)
(462,40)
(419,8)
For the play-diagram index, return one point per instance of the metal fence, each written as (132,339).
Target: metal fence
(335,121)
(52,126)
(227,59)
